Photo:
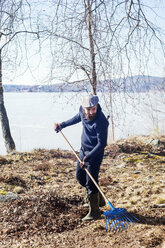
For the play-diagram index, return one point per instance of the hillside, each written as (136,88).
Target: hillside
(49,207)
(129,84)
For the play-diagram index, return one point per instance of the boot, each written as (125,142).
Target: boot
(102,202)
(94,211)
(85,200)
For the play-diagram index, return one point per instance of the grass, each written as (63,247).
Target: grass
(161,201)
(3,192)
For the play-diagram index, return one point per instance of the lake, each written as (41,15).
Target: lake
(32,116)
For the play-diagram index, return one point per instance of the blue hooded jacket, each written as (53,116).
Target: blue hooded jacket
(94,133)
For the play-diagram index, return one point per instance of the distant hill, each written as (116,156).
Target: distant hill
(129,84)
(46,88)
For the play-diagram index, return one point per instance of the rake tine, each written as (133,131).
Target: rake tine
(114,224)
(114,221)
(121,223)
(130,219)
(117,224)
(106,223)
(111,223)
(125,221)
(134,219)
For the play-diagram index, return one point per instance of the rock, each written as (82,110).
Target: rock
(121,166)
(138,191)
(18,190)
(134,199)
(137,172)
(3,160)
(140,164)
(149,177)
(110,187)
(155,142)
(158,206)
(8,196)
(149,155)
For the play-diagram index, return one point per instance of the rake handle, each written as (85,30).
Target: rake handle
(89,174)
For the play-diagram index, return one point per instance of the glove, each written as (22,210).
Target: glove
(57,127)
(84,164)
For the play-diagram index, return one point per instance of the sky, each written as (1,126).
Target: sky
(39,70)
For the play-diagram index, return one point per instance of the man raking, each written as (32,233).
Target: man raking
(93,143)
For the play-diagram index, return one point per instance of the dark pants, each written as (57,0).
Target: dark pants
(93,168)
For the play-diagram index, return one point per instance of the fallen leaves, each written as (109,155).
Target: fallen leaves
(49,209)
(44,212)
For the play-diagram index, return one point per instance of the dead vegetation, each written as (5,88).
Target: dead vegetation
(49,208)
(43,212)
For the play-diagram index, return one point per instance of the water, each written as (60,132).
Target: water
(32,116)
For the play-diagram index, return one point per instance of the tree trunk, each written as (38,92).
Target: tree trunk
(9,143)
(112,117)
(93,80)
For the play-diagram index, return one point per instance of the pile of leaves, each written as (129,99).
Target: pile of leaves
(44,212)
(138,144)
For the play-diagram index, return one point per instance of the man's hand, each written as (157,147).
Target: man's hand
(84,164)
(57,127)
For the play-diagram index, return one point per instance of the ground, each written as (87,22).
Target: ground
(50,207)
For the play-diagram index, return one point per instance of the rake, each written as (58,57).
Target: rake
(116,219)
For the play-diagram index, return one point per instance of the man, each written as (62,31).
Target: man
(93,142)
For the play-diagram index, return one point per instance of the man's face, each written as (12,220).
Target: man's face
(90,113)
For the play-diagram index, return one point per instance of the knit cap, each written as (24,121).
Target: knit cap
(90,101)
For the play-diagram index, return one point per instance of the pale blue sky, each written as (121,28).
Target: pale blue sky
(40,64)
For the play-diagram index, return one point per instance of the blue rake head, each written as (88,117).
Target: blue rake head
(117,219)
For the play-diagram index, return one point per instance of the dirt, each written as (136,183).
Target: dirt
(49,208)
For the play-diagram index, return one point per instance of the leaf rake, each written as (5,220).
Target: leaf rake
(116,219)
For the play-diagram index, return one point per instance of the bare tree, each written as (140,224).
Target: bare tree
(9,143)
(100,40)
(91,41)
(16,24)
